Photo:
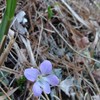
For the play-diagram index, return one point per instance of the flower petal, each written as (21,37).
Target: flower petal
(45,86)
(46,67)
(52,79)
(36,89)
(31,74)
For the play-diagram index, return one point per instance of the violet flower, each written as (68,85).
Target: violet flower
(42,78)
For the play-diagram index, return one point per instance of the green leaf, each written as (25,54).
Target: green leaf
(50,12)
(7,18)
(11,5)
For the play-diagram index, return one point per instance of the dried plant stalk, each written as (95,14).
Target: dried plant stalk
(6,51)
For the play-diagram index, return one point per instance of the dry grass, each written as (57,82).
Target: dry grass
(70,40)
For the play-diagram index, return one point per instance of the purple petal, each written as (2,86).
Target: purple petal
(36,89)
(46,87)
(46,67)
(52,79)
(31,74)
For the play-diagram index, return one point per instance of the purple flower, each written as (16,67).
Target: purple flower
(42,78)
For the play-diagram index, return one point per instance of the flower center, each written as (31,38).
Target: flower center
(40,77)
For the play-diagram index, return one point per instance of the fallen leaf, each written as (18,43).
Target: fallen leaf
(66,85)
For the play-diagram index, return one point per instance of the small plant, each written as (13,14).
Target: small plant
(21,83)
(50,12)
